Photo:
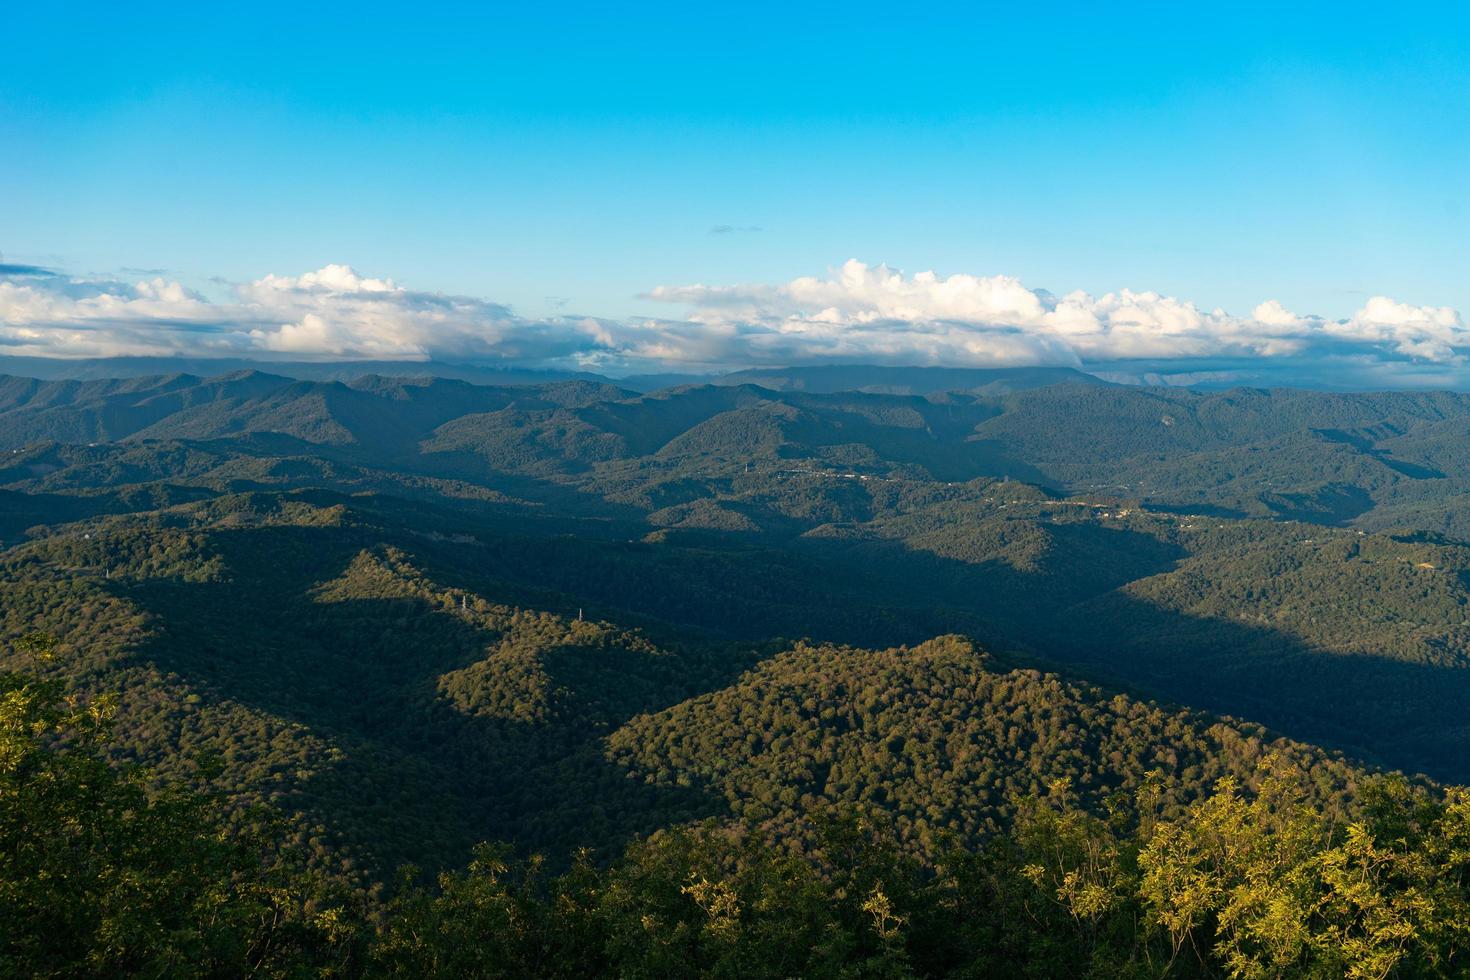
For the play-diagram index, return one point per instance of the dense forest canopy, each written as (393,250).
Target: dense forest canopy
(952,675)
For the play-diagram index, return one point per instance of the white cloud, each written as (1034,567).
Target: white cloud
(1421,332)
(332,312)
(876,313)
(328,279)
(858,313)
(1272,314)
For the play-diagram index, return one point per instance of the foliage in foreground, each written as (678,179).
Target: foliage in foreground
(98,878)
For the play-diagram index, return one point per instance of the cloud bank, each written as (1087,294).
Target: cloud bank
(332,313)
(873,312)
(859,313)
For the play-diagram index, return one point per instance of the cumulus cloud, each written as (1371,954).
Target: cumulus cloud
(1423,332)
(333,312)
(857,313)
(876,313)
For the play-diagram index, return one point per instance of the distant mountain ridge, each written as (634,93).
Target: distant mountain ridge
(881,379)
(822,378)
(93,369)
(1319,456)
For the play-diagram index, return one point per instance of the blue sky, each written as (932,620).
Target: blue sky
(571,158)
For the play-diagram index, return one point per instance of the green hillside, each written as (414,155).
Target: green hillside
(691,635)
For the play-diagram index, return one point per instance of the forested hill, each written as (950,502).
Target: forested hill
(1377,460)
(745,514)
(699,631)
(379,679)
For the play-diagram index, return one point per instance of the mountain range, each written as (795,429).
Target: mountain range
(414,613)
